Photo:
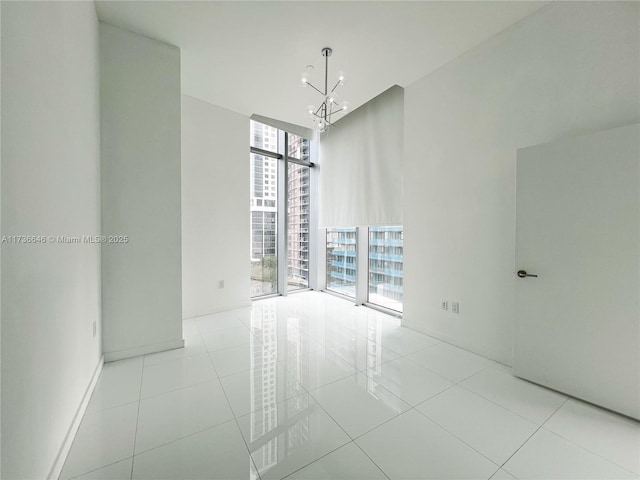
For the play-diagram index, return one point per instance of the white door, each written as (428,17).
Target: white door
(578,229)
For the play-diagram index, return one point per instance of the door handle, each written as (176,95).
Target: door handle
(523,273)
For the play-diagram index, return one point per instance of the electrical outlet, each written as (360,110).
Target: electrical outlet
(95,329)
(221,284)
(445,305)
(455,307)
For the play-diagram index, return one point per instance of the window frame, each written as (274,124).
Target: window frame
(281,204)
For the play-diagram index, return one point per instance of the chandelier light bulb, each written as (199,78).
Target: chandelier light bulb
(311,110)
(331,107)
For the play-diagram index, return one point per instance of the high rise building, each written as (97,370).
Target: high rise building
(341,260)
(298,180)
(385,253)
(386,266)
(264,211)
(264,191)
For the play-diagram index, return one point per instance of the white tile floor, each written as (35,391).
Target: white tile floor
(311,387)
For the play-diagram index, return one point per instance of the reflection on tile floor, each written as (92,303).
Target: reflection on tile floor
(311,387)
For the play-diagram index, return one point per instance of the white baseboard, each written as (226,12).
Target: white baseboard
(225,308)
(144,350)
(58,463)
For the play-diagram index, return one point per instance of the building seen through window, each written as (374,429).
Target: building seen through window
(341,260)
(264,211)
(264,208)
(386,266)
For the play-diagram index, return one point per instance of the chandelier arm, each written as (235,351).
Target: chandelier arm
(314,87)
(336,112)
(328,117)
(322,115)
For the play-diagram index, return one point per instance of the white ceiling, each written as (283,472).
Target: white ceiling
(248,56)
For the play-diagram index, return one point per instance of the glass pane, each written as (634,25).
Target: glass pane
(298,147)
(298,223)
(263,136)
(341,260)
(385,267)
(264,227)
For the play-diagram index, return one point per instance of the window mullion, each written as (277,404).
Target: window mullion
(283,221)
(362,265)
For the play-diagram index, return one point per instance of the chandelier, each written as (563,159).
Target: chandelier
(330,105)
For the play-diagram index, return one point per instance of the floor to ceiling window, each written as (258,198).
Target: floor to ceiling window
(264,210)
(342,260)
(272,150)
(386,266)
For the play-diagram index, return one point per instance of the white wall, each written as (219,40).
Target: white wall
(215,208)
(50,186)
(140,178)
(569,69)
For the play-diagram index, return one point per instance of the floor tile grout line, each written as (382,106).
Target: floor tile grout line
(371,459)
(180,388)
(498,405)
(509,409)
(442,376)
(369,378)
(434,396)
(496,472)
(383,423)
(309,390)
(100,468)
(586,449)
(155,447)
(531,436)
(428,369)
(484,369)
(106,409)
(347,434)
(393,393)
(193,355)
(457,437)
(314,461)
(135,435)
(235,419)
(308,393)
